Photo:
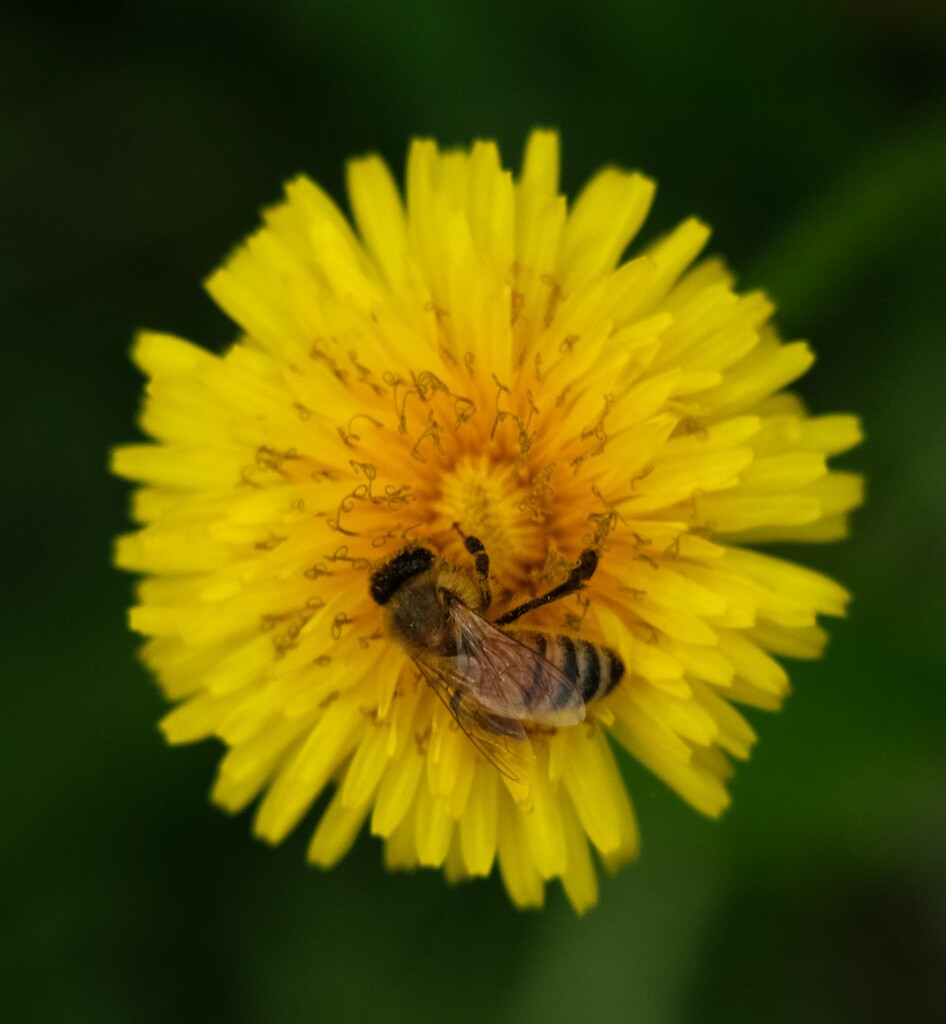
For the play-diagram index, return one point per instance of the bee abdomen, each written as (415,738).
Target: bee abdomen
(594,670)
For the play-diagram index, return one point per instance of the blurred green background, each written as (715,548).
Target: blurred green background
(138,142)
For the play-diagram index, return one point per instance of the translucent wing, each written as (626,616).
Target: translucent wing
(510,679)
(502,741)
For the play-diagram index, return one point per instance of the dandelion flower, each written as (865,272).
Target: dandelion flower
(478,353)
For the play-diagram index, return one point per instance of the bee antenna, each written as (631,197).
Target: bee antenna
(583,571)
(477,549)
(587,563)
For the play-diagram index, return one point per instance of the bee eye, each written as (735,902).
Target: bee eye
(398,572)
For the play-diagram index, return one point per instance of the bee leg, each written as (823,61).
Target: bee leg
(587,563)
(480,560)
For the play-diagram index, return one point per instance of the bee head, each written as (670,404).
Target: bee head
(404,566)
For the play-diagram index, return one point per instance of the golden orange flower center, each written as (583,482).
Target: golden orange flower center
(490,501)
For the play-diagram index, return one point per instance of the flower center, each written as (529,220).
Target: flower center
(491,502)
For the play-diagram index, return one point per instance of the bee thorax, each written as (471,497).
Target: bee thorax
(420,618)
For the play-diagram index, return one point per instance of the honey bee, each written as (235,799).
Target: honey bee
(492,680)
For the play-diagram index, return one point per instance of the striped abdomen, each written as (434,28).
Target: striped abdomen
(593,669)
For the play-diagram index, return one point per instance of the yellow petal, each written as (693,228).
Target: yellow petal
(606,216)
(337,830)
(594,785)
(379,214)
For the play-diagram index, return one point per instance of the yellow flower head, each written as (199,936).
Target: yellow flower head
(473,371)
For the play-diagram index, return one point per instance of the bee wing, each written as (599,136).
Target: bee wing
(511,679)
(501,740)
